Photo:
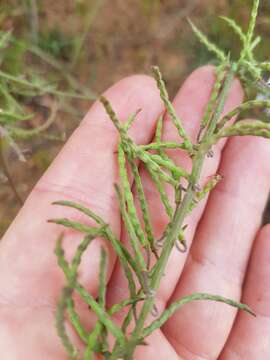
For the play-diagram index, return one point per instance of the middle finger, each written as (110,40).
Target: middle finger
(190,104)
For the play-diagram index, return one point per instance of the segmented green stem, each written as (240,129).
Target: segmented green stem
(82,209)
(242,128)
(76,226)
(168,164)
(207,43)
(236,28)
(75,319)
(252,22)
(123,254)
(111,114)
(91,342)
(252,104)
(163,146)
(60,325)
(73,284)
(102,278)
(160,188)
(187,299)
(101,313)
(131,120)
(143,204)
(252,68)
(181,211)
(131,231)
(131,216)
(220,75)
(158,139)
(102,293)
(151,164)
(77,258)
(208,187)
(171,110)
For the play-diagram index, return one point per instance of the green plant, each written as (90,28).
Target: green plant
(55,43)
(91,14)
(18,92)
(31,7)
(144,278)
(149,6)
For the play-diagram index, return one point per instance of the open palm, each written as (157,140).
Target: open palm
(223,234)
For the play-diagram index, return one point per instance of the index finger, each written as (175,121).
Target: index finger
(84,171)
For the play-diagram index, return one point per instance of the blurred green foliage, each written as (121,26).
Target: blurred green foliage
(55,43)
(150,6)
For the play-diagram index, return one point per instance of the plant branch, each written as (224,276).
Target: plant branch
(181,211)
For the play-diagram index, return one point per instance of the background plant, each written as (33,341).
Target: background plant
(30,100)
(143,275)
(18,95)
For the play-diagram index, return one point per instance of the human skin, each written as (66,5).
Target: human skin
(228,252)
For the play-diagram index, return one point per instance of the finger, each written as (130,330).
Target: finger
(190,104)
(221,249)
(157,347)
(84,171)
(249,338)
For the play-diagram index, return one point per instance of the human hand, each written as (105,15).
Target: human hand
(222,235)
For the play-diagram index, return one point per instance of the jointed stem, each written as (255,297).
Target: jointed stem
(181,211)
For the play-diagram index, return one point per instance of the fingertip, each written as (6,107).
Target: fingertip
(202,78)
(206,75)
(126,97)
(141,79)
(204,72)
(129,95)
(133,83)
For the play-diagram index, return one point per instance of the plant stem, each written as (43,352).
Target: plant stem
(181,211)
(24,82)
(8,176)
(34,19)
(89,21)
(59,66)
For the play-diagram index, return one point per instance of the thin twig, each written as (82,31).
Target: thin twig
(7,173)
